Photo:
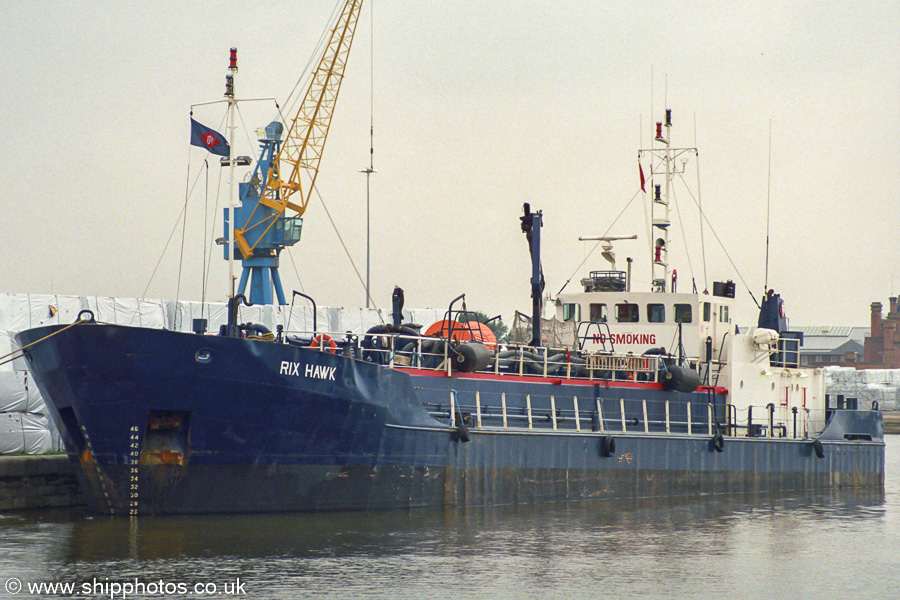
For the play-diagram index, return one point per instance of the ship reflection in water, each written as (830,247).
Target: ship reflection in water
(797,546)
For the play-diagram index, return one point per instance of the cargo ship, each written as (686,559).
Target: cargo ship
(629,394)
(164,422)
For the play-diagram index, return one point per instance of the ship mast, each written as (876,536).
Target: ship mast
(229,95)
(662,154)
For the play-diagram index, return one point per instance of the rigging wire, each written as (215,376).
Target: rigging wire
(608,229)
(768,205)
(644,204)
(296,274)
(206,233)
(721,245)
(687,252)
(174,228)
(347,252)
(307,72)
(210,239)
(700,204)
(302,82)
(246,129)
(187,183)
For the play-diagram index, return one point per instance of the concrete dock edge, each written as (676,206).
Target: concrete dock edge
(45,481)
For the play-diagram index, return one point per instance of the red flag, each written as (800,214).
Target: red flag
(641,169)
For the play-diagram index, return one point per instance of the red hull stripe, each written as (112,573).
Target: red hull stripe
(553,380)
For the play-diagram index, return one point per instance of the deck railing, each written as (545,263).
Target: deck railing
(612,415)
(560,413)
(429,353)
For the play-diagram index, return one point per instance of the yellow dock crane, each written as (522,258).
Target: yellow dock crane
(301,150)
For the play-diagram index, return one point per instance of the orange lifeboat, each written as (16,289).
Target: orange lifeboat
(473,330)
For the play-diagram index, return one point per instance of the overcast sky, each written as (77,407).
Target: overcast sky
(478,107)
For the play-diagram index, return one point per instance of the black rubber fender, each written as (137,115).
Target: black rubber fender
(462,432)
(471,357)
(680,379)
(818,448)
(718,442)
(607,446)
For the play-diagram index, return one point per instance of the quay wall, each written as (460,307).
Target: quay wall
(38,482)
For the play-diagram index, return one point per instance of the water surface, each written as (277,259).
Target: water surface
(840,544)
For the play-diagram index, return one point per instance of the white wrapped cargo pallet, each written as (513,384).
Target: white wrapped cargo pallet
(12,436)
(15,313)
(24,433)
(5,349)
(19,364)
(37,433)
(131,311)
(425,316)
(878,376)
(46,309)
(13,391)
(56,442)
(36,403)
(300,317)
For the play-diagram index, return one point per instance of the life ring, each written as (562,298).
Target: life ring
(325,340)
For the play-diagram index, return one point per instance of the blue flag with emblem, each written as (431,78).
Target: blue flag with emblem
(212,140)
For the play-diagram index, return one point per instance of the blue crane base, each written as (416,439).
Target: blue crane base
(263,280)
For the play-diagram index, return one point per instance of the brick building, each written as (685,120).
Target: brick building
(882,347)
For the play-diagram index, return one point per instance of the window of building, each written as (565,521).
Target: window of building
(627,313)
(683,313)
(599,313)
(570,312)
(656,313)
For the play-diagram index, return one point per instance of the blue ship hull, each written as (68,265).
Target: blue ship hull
(162,422)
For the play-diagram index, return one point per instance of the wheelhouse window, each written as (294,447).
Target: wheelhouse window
(707,312)
(627,313)
(571,312)
(656,313)
(683,313)
(723,314)
(599,313)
